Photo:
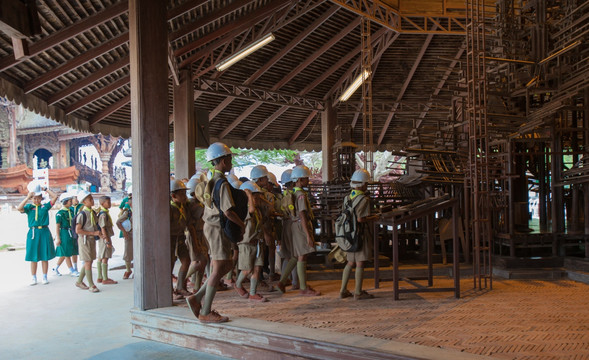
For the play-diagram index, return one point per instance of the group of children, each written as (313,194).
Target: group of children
(79,228)
(242,223)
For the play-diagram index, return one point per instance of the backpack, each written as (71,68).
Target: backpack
(347,228)
(73,223)
(232,230)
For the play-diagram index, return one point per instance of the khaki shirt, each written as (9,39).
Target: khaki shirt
(196,210)
(211,214)
(105,222)
(253,231)
(90,224)
(179,218)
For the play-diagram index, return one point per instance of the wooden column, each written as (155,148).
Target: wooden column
(184,127)
(64,154)
(557,210)
(328,122)
(151,160)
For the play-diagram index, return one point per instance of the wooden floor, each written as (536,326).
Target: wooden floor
(525,319)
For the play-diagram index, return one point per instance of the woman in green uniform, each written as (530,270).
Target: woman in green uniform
(39,240)
(64,242)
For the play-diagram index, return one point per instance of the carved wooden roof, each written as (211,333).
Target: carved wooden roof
(78,68)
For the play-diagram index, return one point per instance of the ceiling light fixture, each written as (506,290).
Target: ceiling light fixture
(355,85)
(256,45)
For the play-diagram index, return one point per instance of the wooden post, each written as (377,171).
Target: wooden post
(557,191)
(184,127)
(148,31)
(328,122)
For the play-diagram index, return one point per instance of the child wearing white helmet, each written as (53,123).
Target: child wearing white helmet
(39,240)
(87,230)
(362,206)
(220,157)
(197,246)
(252,247)
(180,221)
(125,224)
(288,214)
(64,242)
(302,233)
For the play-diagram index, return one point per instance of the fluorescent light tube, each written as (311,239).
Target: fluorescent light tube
(355,85)
(256,45)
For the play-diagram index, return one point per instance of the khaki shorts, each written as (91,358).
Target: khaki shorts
(87,248)
(300,246)
(104,252)
(247,256)
(178,248)
(219,244)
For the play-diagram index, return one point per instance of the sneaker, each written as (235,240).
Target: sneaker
(109,282)
(55,272)
(33,282)
(212,317)
(345,294)
(44,281)
(258,298)
(309,291)
(74,273)
(194,305)
(363,296)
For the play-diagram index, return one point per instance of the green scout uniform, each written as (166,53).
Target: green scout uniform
(300,246)
(39,240)
(68,246)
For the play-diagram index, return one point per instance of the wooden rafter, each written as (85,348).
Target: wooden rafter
(240,118)
(404,87)
(76,62)
(305,123)
(105,71)
(98,94)
(184,8)
(102,114)
(217,110)
(266,122)
(68,32)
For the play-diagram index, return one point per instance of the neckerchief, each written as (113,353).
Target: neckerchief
(69,211)
(355,193)
(107,214)
(92,220)
(36,211)
(181,209)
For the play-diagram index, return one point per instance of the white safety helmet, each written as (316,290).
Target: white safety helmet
(258,172)
(285,177)
(251,186)
(82,194)
(272,179)
(176,185)
(63,198)
(300,171)
(35,187)
(234,181)
(191,185)
(217,150)
(359,178)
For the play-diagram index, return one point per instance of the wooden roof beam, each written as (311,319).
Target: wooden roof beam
(305,123)
(217,110)
(240,118)
(334,40)
(75,62)
(291,45)
(97,95)
(184,8)
(404,87)
(68,32)
(105,71)
(267,122)
(111,109)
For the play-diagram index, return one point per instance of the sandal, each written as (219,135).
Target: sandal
(81,285)
(345,294)
(258,298)
(94,289)
(363,296)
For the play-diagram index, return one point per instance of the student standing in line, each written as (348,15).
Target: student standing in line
(87,230)
(39,240)
(125,224)
(105,248)
(63,240)
(359,184)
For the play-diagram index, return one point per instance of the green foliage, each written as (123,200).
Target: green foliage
(244,157)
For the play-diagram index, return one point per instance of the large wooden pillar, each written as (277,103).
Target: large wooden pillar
(328,122)
(151,160)
(184,127)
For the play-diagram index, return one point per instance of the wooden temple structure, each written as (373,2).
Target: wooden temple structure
(488,101)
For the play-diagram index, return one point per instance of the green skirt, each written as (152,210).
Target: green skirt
(39,245)
(68,246)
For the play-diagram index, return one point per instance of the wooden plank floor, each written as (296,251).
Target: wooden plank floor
(516,320)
